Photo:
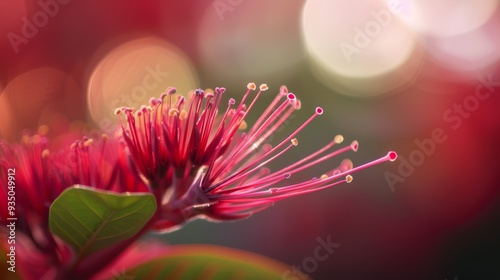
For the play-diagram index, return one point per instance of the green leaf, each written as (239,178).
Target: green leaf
(90,219)
(206,262)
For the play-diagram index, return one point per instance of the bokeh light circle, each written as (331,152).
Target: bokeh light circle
(355,40)
(132,73)
(446,17)
(33,97)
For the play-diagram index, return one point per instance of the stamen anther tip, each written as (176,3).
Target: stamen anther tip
(338,139)
(251,86)
(392,155)
(263,87)
(295,142)
(355,145)
(319,110)
(348,178)
(45,153)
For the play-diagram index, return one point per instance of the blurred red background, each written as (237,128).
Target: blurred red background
(391,74)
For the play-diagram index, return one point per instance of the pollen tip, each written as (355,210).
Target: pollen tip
(88,142)
(43,129)
(118,111)
(243,125)
(283,90)
(355,145)
(152,101)
(392,155)
(25,139)
(297,104)
(45,153)
(338,139)
(199,92)
(105,137)
(346,164)
(324,176)
(348,178)
(251,86)
(319,110)
(173,112)
(287,175)
(291,96)
(263,87)
(295,142)
(231,101)
(171,90)
(183,115)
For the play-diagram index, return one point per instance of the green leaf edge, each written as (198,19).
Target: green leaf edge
(100,193)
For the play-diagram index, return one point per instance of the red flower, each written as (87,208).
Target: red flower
(199,165)
(41,176)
